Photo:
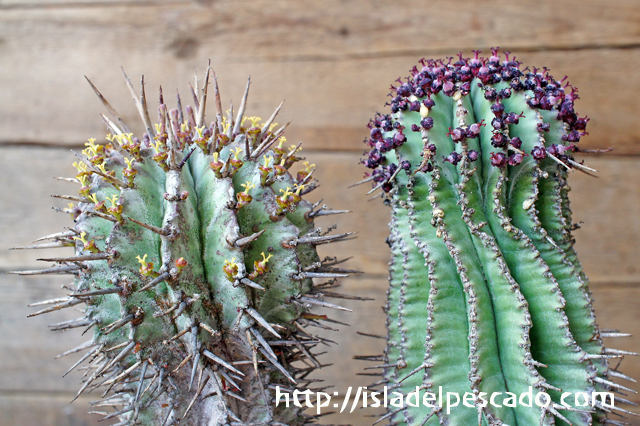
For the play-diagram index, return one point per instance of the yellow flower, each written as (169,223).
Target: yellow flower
(247,186)
(286,193)
(113,200)
(82,238)
(254,121)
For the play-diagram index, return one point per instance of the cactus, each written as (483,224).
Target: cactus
(486,293)
(195,256)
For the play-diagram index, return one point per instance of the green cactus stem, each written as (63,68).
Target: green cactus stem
(195,255)
(487,296)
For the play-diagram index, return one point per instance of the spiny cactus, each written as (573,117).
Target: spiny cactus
(195,257)
(486,292)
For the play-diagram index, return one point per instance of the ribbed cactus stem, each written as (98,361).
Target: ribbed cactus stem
(195,255)
(486,296)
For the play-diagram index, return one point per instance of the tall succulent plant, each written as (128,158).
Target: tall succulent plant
(486,292)
(195,256)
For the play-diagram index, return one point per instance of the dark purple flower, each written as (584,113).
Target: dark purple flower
(453,158)
(515,159)
(538,153)
(490,94)
(473,155)
(513,118)
(543,127)
(457,134)
(581,123)
(497,109)
(516,84)
(427,123)
(499,140)
(515,142)
(498,159)
(505,93)
(474,130)
(497,123)
(429,103)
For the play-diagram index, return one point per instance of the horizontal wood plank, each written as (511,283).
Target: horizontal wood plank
(28,409)
(607,243)
(332,62)
(284,29)
(32,374)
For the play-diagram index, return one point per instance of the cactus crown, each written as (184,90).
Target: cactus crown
(487,295)
(194,255)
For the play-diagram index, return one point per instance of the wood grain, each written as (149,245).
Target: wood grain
(34,374)
(608,242)
(45,409)
(332,61)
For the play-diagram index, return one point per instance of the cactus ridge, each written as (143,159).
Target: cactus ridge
(195,255)
(487,295)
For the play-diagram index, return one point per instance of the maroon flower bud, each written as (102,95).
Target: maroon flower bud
(533,103)
(490,94)
(398,139)
(414,106)
(515,142)
(556,150)
(475,62)
(497,109)
(484,74)
(436,86)
(448,88)
(494,59)
(516,84)
(429,103)
(498,159)
(581,123)
(505,93)
(543,127)
(497,123)
(427,123)
(515,159)
(473,155)
(538,153)
(453,158)
(404,90)
(474,130)
(405,165)
(499,140)
(374,160)
(457,134)
(513,118)
(431,147)
(376,133)
(415,128)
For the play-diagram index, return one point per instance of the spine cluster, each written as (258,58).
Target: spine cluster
(195,255)
(487,295)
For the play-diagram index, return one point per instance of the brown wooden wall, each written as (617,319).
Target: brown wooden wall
(332,61)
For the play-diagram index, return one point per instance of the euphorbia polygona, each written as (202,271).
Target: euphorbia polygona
(195,256)
(487,296)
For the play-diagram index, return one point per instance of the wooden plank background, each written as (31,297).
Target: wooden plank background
(332,61)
